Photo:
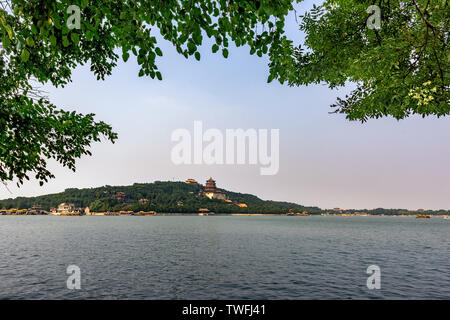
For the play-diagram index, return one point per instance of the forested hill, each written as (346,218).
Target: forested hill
(158,196)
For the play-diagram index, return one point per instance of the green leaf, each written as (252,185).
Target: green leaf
(25,55)
(215,48)
(8,30)
(6,42)
(158,75)
(158,51)
(53,40)
(197,56)
(125,56)
(225,53)
(75,38)
(280,24)
(89,35)
(65,41)
(191,47)
(197,38)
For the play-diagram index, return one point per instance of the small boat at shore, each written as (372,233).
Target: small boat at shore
(301,214)
(423,216)
(145,213)
(111,214)
(126,213)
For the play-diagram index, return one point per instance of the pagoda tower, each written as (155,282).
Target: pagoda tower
(210,185)
(212,192)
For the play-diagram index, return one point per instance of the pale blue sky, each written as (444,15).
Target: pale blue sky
(325,160)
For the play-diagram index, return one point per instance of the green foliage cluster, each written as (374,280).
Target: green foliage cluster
(33,131)
(167,197)
(400,69)
(39,46)
(37,31)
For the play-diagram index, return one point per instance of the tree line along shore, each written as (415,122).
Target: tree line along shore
(188,197)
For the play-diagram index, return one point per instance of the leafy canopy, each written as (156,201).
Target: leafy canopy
(39,44)
(400,69)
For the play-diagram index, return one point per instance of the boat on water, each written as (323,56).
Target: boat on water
(423,216)
(145,213)
(302,214)
(126,213)
(111,214)
(203,212)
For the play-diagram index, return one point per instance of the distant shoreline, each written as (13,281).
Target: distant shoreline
(177,197)
(167,214)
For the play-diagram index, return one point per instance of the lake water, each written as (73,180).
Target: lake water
(218,257)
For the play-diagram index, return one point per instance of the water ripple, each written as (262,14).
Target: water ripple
(224,257)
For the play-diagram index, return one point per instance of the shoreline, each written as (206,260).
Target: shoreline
(109,214)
